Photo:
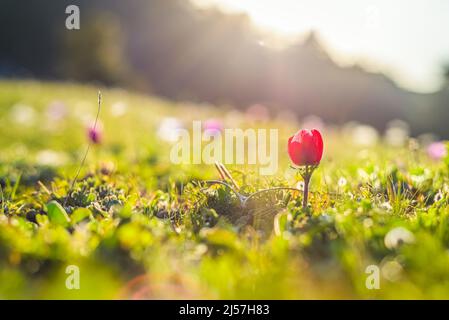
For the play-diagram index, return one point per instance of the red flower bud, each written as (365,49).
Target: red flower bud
(306,147)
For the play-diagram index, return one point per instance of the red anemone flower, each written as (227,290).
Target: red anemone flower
(306,147)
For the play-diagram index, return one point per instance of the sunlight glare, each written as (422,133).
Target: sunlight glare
(402,39)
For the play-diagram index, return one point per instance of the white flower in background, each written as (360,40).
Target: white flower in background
(168,129)
(363,174)
(342,182)
(397,133)
(439,196)
(300,185)
(364,135)
(119,109)
(397,236)
(51,158)
(23,114)
(360,134)
(386,206)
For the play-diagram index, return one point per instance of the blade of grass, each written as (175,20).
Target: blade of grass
(2,198)
(14,188)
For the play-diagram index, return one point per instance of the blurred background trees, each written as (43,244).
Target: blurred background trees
(173,49)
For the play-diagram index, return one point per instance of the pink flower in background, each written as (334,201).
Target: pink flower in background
(56,111)
(437,150)
(95,134)
(213,126)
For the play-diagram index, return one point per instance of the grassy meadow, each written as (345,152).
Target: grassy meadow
(141,227)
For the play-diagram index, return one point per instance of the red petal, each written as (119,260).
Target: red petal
(294,151)
(318,144)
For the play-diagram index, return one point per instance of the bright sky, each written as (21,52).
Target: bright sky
(408,40)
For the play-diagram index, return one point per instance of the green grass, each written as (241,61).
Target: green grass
(138,226)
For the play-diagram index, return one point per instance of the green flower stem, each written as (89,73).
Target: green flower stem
(306,176)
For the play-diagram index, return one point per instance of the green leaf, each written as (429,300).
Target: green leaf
(42,219)
(14,189)
(57,214)
(79,215)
